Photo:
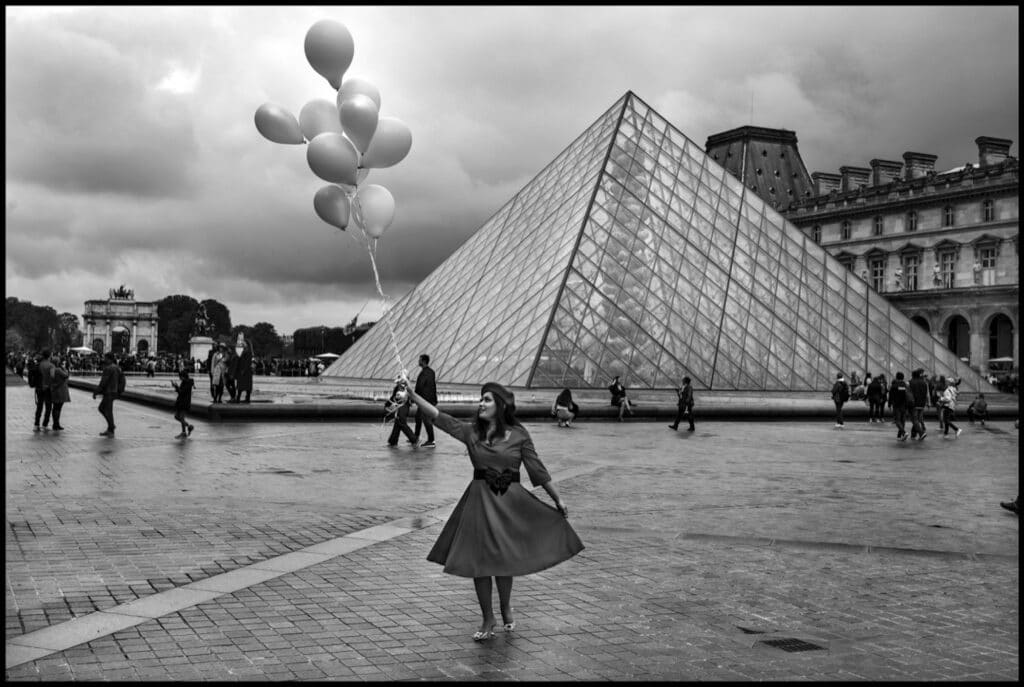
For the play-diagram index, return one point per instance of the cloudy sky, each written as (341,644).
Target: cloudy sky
(132,156)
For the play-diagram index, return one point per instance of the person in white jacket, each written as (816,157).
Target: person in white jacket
(947,404)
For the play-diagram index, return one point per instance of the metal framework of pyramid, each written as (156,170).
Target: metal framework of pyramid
(633,253)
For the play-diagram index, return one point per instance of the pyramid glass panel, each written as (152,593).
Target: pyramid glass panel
(633,253)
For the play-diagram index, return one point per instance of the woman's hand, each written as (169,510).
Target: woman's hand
(562,508)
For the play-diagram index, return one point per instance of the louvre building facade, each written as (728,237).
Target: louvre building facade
(634,253)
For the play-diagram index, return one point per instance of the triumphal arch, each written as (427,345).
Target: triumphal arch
(121,324)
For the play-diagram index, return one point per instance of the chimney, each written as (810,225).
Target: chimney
(854,177)
(884,171)
(918,165)
(992,151)
(825,183)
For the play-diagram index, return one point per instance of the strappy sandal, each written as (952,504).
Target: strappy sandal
(483,636)
(509,627)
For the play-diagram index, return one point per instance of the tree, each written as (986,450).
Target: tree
(175,315)
(38,324)
(265,340)
(69,334)
(14,342)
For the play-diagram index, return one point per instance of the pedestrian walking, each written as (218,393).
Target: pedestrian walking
(426,387)
(111,385)
(920,393)
(44,388)
(684,405)
(499,529)
(398,403)
(619,397)
(947,408)
(60,393)
(898,400)
(183,402)
(840,395)
(564,408)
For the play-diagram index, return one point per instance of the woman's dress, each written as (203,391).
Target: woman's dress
(499,528)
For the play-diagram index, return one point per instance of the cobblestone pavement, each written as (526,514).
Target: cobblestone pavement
(708,556)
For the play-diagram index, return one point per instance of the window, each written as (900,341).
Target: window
(987,261)
(816,233)
(846,262)
(879,225)
(947,269)
(844,230)
(911,266)
(912,221)
(877,266)
(988,210)
(948,216)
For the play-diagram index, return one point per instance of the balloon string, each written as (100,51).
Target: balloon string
(357,212)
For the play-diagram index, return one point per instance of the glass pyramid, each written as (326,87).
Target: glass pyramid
(633,253)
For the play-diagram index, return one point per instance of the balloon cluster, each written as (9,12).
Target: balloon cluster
(346,138)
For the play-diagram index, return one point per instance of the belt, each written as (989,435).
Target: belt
(497,481)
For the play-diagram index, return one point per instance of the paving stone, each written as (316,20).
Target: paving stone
(900,559)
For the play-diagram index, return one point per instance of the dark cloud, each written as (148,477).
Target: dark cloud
(131,153)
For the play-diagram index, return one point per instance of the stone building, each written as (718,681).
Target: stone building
(121,324)
(942,246)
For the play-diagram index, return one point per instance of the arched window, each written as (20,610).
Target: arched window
(948,216)
(988,210)
(816,233)
(912,220)
(844,230)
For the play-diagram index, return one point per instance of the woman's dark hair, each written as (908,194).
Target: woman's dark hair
(504,417)
(564,398)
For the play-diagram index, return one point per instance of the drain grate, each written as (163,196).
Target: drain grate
(791,644)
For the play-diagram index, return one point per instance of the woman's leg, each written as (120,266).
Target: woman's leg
(483,596)
(505,598)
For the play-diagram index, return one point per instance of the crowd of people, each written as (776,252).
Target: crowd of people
(167,363)
(907,400)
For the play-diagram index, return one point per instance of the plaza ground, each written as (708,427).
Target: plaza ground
(746,550)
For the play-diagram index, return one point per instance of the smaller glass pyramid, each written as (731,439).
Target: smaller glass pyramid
(633,253)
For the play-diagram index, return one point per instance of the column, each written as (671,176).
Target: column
(106,339)
(134,335)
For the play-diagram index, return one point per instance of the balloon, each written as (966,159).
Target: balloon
(357,86)
(329,50)
(332,205)
(318,117)
(278,124)
(390,144)
(361,175)
(358,116)
(376,209)
(332,157)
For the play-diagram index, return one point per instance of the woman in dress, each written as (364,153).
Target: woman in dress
(499,529)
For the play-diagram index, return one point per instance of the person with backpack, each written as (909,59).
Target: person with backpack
(112,384)
(920,393)
(898,399)
(840,395)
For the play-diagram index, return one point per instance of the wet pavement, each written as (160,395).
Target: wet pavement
(293,550)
